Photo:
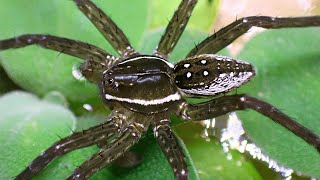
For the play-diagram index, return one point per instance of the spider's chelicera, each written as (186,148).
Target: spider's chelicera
(144,90)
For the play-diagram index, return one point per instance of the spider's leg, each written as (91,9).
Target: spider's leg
(78,140)
(228,34)
(96,58)
(109,153)
(226,104)
(107,27)
(71,47)
(171,148)
(175,28)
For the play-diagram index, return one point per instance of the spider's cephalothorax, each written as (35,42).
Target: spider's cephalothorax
(141,83)
(144,90)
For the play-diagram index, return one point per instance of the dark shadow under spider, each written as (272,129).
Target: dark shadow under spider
(144,90)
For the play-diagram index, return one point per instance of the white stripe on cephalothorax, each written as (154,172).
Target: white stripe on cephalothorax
(148,57)
(172,97)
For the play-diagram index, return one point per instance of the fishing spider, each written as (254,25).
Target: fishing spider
(144,90)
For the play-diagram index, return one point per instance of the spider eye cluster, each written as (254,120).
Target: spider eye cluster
(107,79)
(110,81)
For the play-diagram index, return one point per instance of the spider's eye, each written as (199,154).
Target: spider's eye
(110,81)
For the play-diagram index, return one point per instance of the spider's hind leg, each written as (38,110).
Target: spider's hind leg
(230,103)
(228,34)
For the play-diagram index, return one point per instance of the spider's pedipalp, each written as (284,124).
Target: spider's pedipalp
(70,143)
(170,147)
(175,28)
(109,153)
(228,34)
(226,104)
(107,27)
(210,74)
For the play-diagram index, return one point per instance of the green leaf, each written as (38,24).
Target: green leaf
(288,66)
(28,126)
(39,70)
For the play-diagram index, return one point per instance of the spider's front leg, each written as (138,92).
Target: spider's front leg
(107,27)
(226,104)
(71,47)
(171,148)
(77,140)
(95,58)
(228,34)
(175,28)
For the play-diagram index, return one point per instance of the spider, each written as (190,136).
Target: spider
(144,90)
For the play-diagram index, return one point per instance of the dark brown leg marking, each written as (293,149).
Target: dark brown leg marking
(228,34)
(226,104)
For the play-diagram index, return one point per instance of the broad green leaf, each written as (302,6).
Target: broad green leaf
(39,70)
(288,70)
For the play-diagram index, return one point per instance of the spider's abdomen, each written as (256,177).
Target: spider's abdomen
(210,74)
(144,84)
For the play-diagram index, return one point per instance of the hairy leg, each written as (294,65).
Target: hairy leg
(108,154)
(175,28)
(96,59)
(226,104)
(75,141)
(107,27)
(228,34)
(71,47)
(171,148)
